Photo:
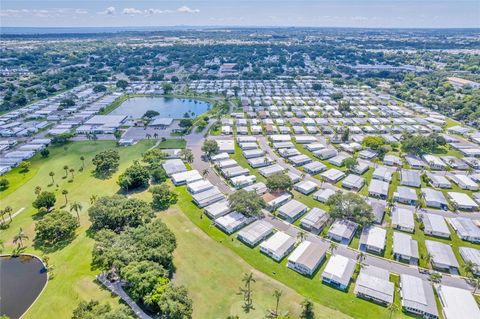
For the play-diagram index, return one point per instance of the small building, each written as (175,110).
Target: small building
(270,170)
(373,239)
(275,200)
(231,222)
(199,186)
(299,160)
(438,181)
(325,153)
(291,210)
(323,195)
(255,233)
(417,296)
(208,197)
(342,230)
(260,161)
(383,173)
(457,303)
(173,166)
(259,188)
(374,284)
(307,257)
(392,160)
(442,256)
(410,178)
(234,171)
(464,182)
(278,246)
(378,209)
(338,160)
(333,175)
(471,255)
(243,181)
(405,248)
(434,198)
(462,201)
(315,220)
(186,177)
(306,187)
(434,225)
(338,272)
(217,209)
(314,167)
(405,195)
(402,219)
(466,228)
(378,189)
(353,182)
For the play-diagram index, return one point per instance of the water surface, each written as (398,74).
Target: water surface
(21,281)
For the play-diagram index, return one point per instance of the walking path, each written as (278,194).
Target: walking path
(116,288)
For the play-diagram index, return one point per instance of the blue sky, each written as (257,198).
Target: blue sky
(339,13)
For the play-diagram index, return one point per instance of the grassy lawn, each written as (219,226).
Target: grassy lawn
(332,299)
(173,143)
(73,279)
(214,283)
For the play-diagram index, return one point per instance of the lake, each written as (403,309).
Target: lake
(22,279)
(167,107)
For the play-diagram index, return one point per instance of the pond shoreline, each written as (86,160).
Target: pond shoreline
(10,256)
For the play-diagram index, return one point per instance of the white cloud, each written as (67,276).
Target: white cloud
(131,11)
(152,11)
(185,9)
(108,11)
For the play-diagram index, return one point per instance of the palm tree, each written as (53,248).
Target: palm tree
(64,193)
(38,190)
(8,210)
(469,267)
(51,174)
(82,158)
(277,294)
(301,235)
(333,247)
(247,291)
(76,207)
(93,199)
(435,277)
(155,135)
(71,170)
(65,168)
(205,172)
(361,257)
(392,308)
(19,238)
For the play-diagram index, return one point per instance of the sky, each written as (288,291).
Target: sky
(299,13)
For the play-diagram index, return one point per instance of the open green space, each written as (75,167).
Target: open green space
(73,279)
(172,143)
(345,302)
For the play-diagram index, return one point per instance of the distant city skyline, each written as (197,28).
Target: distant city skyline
(301,13)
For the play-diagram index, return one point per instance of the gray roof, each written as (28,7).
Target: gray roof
(309,254)
(441,253)
(465,227)
(256,231)
(375,282)
(432,195)
(292,208)
(434,223)
(343,228)
(471,254)
(339,269)
(378,187)
(315,218)
(418,294)
(404,245)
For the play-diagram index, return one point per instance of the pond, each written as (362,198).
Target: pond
(22,280)
(167,107)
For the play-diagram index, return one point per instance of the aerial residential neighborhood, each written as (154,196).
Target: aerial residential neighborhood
(256,166)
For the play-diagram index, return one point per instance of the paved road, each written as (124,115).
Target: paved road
(116,288)
(343,250)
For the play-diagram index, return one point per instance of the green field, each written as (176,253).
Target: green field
(73,279)
(173,143)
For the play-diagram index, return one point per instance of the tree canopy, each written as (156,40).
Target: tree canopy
(374,142)
(248,203)
(106,162)
(421,144)
(118,212)
(162,197)
(135,176)
(94,310)
(350,206)
(55,227)
(152,242)
(44,199)
(210,147)
(279,182)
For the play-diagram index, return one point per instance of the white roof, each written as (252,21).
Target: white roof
(340,269)
(404,245)
(457,303)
